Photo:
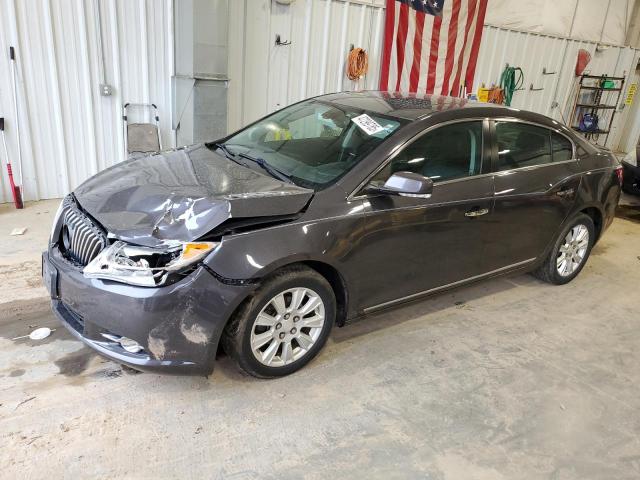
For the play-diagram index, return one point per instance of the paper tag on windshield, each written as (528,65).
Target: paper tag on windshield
(368,124)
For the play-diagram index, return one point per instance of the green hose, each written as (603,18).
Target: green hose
(510,82)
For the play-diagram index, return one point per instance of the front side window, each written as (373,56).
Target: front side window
(314,143)
(522,145)
(446,153)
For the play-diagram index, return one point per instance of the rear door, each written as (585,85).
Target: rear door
(536,183)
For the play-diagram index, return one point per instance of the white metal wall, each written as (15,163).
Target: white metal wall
(592,20)
(535,52)
(265,77)
(69,131)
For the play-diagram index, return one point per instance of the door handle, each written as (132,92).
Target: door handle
(476,212)
(565,192)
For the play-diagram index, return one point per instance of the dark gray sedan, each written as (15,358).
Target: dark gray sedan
(327,210)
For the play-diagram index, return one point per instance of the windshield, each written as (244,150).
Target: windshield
(313,143)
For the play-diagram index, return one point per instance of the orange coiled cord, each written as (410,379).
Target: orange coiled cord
(496,95)
(357,64)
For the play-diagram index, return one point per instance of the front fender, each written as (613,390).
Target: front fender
(255,255)
(258,253)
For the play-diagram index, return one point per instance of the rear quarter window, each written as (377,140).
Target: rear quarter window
(561,148)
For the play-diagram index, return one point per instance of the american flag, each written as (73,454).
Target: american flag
(431,46)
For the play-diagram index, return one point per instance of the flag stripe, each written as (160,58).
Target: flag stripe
(433,56)
(470,19)
(468,48)
(408,55)
(451,46)
(475,46)
(442,47)
(401,40)
(417,53)
(389,23)
(454,89)
(425,53)
(393,69)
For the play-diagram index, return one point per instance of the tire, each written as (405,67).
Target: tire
(549,270)
(286,331)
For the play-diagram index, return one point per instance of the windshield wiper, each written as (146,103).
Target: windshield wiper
(228,153)
(273,171)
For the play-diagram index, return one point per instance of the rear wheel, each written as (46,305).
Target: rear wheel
(284,325)
(570,252)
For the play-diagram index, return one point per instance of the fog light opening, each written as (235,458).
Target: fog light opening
(127,344)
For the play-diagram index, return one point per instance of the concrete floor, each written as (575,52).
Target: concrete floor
(508,379)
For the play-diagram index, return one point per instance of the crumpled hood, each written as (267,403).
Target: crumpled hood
(183,194)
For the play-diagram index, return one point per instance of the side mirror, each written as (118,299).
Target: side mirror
(406,184)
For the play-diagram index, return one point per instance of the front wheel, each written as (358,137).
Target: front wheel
(284,325)
(570,252)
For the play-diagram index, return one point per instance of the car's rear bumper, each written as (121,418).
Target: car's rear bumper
(631,178)
(178,326)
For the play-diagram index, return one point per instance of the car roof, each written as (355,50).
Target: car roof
(412,106)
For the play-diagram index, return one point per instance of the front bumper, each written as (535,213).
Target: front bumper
(178,326)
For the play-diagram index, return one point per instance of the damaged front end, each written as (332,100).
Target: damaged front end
(126,263)
(159,216)
(184,195)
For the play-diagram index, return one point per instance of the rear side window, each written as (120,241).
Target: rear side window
(522,145)
(561,148)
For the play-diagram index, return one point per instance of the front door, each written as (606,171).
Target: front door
(413,245)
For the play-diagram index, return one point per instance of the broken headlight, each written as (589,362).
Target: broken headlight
(145,266)
(56,219)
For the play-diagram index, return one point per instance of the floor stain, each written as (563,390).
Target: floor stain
(130,371)
(75,363)
(17,373)
(108,373)
(599,249)
(24,324)
(628,212)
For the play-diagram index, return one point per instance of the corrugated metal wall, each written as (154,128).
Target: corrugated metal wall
(535,52)
(69,131)
(591,20)
(265,77)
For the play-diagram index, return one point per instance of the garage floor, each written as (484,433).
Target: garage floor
(508,379)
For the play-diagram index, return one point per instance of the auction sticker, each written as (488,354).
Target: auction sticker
(368,124)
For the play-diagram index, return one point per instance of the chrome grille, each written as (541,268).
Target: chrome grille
(80,239)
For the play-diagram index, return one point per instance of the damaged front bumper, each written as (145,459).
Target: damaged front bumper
(178,326)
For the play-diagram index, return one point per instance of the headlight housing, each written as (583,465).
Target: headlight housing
(56,219)
(145,266)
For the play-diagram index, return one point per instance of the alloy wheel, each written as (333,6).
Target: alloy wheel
(287,327)
(573,250)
